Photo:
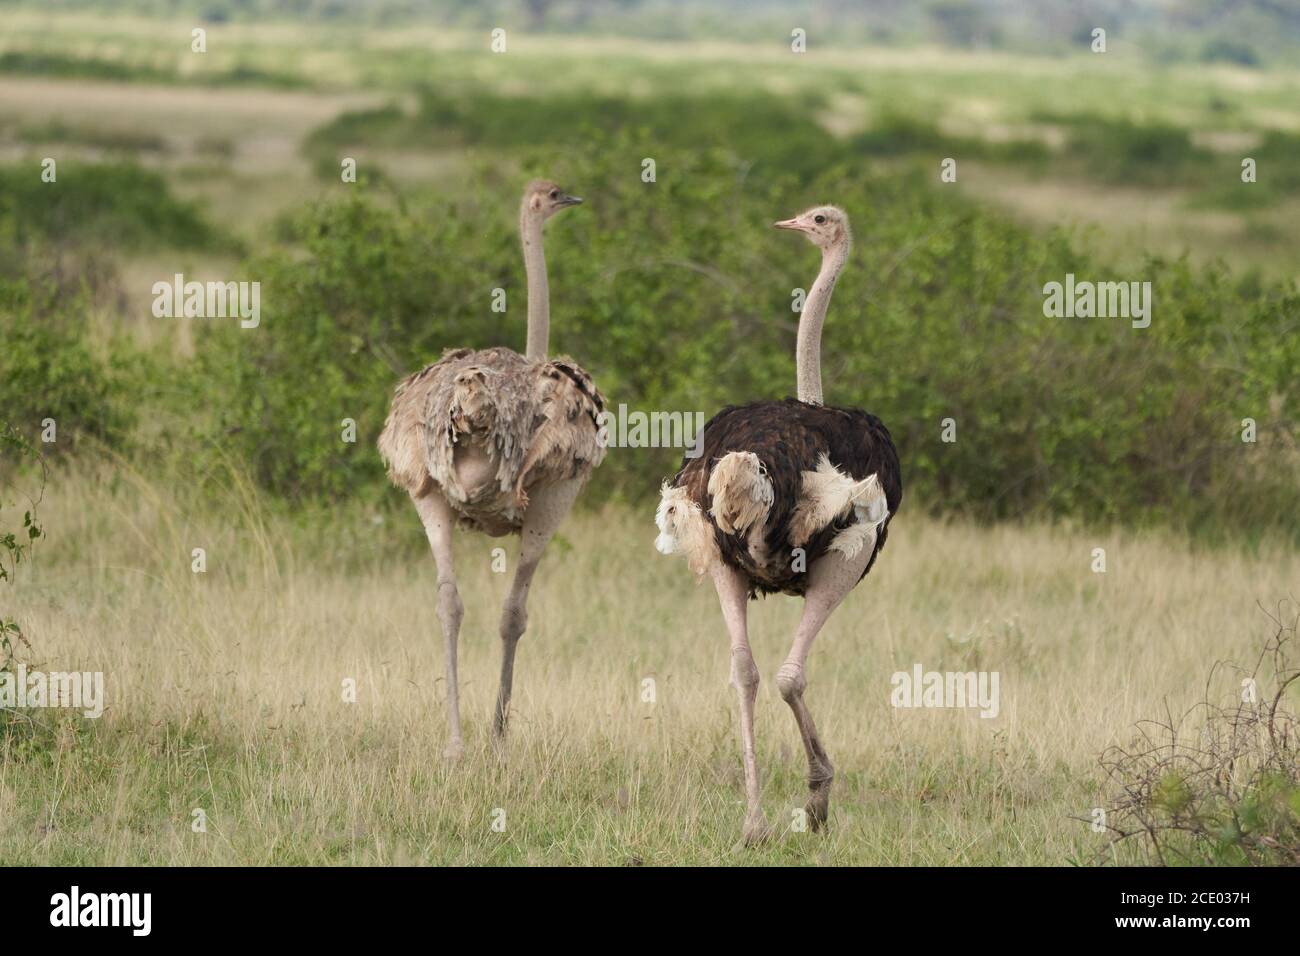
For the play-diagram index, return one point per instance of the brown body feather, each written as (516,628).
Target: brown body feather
(523,422)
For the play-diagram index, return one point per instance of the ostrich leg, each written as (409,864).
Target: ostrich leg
(733,595)
(831,577)
(436,515)
(547,506)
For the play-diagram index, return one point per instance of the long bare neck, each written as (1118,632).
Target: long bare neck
(808,351)
(539,293)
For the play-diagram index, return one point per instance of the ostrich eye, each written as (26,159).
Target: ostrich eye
(555,194)
(819,219)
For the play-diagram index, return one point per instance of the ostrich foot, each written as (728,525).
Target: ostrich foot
(819,802)
(453,751)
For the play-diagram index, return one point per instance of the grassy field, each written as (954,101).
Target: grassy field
(227,124)
(224,691)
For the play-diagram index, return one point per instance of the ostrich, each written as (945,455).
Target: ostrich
(787,496)
(496,442)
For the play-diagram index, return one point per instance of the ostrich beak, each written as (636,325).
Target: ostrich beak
(789,224)
(569,201)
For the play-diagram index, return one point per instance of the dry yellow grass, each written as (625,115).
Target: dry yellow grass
(264,128)
(224,691)
(1127,223)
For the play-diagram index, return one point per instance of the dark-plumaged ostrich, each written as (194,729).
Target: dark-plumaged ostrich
(500,443)
(786,496)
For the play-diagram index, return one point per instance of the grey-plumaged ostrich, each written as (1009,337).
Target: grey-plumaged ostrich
(496,442)
(791,496)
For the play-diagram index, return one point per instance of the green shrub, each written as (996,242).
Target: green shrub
(1277,177)
(1123,151)
(115,204)
(46,63)
(895,133)
(41,63)
(742,125)
(676,295)
(111,140)
(48,371)
(1226,50)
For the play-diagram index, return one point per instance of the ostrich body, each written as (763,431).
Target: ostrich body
(500,443)
(787,496)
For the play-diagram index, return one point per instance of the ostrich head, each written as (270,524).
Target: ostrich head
(543,199)
(825,226)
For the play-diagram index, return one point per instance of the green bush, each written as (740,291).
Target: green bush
(1277,177)
(48,371)
(676,295)
(895,133)
(1124,151)
(39,63)
(1226,50)
(114,204)
(110,140)
(743,125)
(43,63)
